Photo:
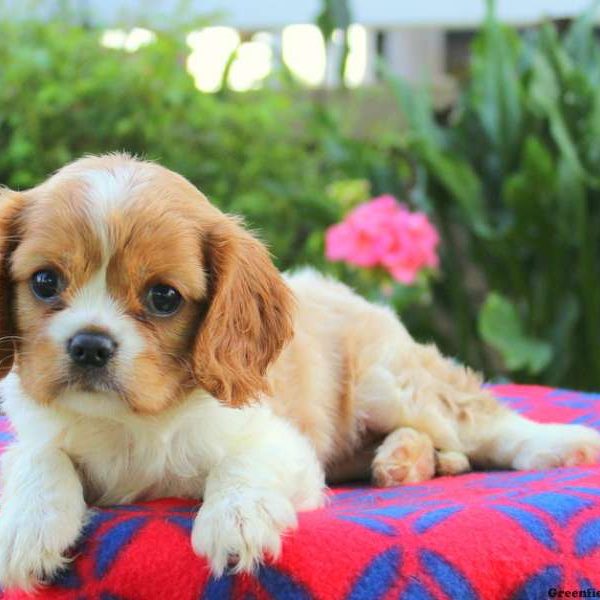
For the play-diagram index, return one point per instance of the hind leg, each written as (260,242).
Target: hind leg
(401,384)
(431,394)
(494,436)
(512,441)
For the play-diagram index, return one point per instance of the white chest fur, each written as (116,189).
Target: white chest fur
(122,457)
(123,462)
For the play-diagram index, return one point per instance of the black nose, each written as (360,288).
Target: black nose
(91,349)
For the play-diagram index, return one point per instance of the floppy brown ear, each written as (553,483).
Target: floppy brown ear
(249,316)
(11,204)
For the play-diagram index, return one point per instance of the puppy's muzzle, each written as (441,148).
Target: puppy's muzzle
(90,349)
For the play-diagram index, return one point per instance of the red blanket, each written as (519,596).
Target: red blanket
(478,536)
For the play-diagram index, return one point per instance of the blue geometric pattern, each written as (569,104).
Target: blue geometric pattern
(450,580)
(378,577)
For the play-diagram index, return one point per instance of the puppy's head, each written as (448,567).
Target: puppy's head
(122,286)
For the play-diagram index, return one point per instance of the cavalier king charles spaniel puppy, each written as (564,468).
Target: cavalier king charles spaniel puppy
(150,348)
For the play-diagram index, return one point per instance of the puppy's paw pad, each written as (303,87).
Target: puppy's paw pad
(238,533)
(405,456)
(559,446)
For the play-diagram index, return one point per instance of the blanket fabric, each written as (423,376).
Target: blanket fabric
(473,537)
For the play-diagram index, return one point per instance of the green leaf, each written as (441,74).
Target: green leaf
(501,327)
(496,90)
(562,336)
(463,184)
(570,208)
(544,95)
(334,15)
(452,172)
(532,188)
(554,79)
(406,296)
(348,193)
(416,107)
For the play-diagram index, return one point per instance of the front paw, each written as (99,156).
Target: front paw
(242,528)
(33,544)
(559,446)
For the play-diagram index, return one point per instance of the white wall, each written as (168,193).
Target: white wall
(458,13)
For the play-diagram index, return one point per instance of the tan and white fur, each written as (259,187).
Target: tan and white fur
(244,397)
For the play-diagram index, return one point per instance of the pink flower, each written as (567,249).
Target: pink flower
(383,232)
(351,244)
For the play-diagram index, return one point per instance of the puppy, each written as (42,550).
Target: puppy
(151,349)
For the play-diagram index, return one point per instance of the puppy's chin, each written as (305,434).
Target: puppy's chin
(100,404)
(94,393)
(93,382)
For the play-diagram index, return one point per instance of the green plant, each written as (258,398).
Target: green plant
(513,179)
(335,16)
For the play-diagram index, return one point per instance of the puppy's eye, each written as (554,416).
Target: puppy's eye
(47,284)
(163,300)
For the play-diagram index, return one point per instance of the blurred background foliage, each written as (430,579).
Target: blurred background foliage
(510,175)
(266,154)
(513,179)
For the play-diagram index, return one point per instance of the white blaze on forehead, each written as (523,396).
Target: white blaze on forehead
(109,190)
